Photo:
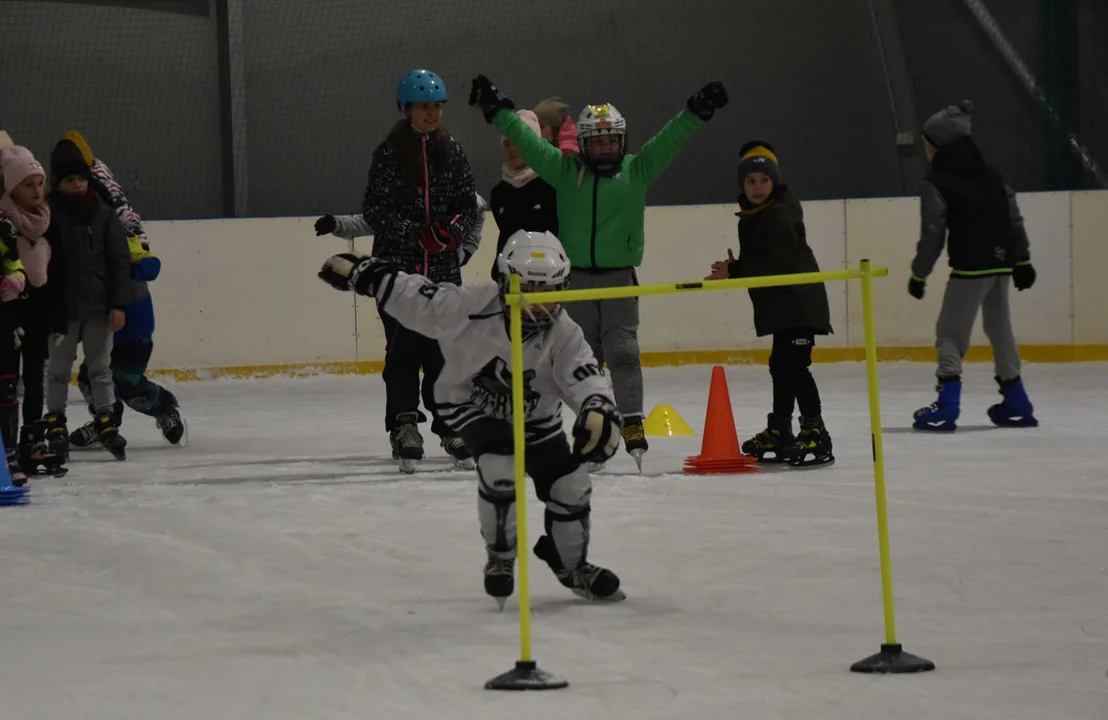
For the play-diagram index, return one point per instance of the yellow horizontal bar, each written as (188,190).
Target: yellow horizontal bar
(561,296)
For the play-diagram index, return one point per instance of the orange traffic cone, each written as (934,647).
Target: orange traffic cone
(719,451)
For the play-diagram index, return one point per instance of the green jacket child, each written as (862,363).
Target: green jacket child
(601,213)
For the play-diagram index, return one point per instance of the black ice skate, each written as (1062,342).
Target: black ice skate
(15,468)
(407,443)
(108,435)
(455,447)
(173,427)
(500,577)
(634,439)
(49,448)
(767,446)
(85,436)
(589,581)
(812,446)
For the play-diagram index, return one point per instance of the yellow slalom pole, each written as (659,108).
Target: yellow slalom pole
(878,453)
(519,441)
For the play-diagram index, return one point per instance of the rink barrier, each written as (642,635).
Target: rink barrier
(891,658)
(977,354)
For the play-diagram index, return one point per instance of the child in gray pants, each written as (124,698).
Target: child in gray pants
(966,206)
(89,281)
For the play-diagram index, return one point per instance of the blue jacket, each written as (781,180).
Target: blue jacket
(145,266)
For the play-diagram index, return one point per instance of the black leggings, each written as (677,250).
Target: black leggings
(35,350)
(792,381)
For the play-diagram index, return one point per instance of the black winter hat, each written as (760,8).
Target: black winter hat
(66,160)
(758,156)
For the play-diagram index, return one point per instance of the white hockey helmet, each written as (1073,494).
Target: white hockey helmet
(600,121)
(541,264)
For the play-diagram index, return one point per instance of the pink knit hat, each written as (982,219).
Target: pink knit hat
(18,164)
(532,121)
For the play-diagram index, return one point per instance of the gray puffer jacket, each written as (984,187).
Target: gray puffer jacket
(90,264)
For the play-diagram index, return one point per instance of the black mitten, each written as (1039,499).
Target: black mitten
(1023,276)
(916,287)
(485,95)
(707,100)
(596,431)
(326,225)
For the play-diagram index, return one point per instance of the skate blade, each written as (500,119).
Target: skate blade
(464,464)
(803,464)
(184,441)
(637,456)
(408,466)
(500,602)
(617,596)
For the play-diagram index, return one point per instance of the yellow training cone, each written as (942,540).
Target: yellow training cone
(664,421)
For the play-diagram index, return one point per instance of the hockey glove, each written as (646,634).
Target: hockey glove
(597,430)
(464,254)
(916,287)
(363,274)
(326,225)
(1023,275)
(707,100)
(437,238)
(485,95)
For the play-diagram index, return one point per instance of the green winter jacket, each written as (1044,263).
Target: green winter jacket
(600,219)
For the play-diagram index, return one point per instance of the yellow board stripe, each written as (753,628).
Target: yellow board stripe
(983,353)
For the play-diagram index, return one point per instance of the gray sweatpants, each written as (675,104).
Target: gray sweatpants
(95,336)
(611,328)
(961,301)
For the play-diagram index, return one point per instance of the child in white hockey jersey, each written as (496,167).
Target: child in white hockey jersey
(473,395)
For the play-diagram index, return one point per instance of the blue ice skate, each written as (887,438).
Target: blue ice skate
(1015,410)
(941,415)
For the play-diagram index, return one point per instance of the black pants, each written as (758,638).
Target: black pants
(35,348)
(406,352)
(9,380)
(792,381)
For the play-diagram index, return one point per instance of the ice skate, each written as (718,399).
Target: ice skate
(1016,409)
(173,427)
(634,439)
(767,446)
(108,436)
(455,447)
(49,449)
(407,443)
(588,581)
(15,468)
(500,576)
(812,446)
(941,415)
(85,436)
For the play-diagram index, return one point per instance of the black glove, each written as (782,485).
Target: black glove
(437,238)
(485,95)
(326,225)
(707,100)
(464,255)
(1023,275)
(596,432)
(360,273)
(916,287)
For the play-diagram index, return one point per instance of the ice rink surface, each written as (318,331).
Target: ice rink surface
(280,568)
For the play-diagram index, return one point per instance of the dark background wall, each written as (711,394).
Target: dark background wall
(141,80)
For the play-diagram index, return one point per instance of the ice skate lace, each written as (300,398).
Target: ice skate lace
(168,420)
(408,435)
(499,566)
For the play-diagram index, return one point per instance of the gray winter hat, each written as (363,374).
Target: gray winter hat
(949,124)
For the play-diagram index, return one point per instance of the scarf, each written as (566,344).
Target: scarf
(31,224)
(517,178)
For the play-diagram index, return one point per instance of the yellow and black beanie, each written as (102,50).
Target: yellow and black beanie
(758,156)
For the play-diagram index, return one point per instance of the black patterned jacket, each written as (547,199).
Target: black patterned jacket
(397,215)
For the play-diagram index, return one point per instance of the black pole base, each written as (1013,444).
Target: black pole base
(526,676)
(892,659)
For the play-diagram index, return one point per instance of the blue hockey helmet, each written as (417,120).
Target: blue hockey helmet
(420,86)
